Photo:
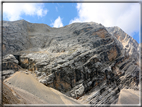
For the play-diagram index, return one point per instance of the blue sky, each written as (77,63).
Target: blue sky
(124,15)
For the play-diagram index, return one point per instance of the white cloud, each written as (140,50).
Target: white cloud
(14,11)
(57,23)
(124,15)
(41,12)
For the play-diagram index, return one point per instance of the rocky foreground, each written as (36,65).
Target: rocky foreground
(27,90)
(85,61)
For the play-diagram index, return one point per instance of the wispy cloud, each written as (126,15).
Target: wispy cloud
(14,11)
(124,15)
(57,23)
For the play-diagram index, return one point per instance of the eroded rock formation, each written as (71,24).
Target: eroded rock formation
(86,61)
(9,65)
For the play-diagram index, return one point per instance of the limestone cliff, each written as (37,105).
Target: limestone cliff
(82,60)
(130,46)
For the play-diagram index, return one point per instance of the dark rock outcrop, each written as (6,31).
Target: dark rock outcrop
(7,73)
(132,50)
(9,65)
(130,46)
(82,60)
(10,62)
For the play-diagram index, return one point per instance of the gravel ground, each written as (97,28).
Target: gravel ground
(26,96)
(29,88)
(128,96)
(10,97)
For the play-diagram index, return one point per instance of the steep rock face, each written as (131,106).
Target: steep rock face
(9,62)
(82,60)
(9,65)
(130,45)
(131,49)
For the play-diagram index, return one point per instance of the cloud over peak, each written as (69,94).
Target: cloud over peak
(57,23)
(124,15)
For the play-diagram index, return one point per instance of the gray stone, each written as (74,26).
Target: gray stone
(74,59)
(7,73)
(43,81)
(9,62)
(77,91)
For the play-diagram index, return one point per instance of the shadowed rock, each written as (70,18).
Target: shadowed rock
(9,65)
(86,61)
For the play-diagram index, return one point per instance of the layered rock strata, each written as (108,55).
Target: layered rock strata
(83,60)
(9,65)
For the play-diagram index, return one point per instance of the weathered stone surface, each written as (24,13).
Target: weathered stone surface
(86,60)
(9,62)
(77,91)
(7,73)
(130,45)
(10,58)
(130,65)
(9,65)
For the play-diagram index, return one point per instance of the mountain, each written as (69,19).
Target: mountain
(130,45)
(85,61)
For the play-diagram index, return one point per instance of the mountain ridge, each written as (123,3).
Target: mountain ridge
(76,59)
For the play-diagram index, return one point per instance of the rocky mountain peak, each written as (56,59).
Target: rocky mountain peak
(86,61)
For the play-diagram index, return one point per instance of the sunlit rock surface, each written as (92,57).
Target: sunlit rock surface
(86,61)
